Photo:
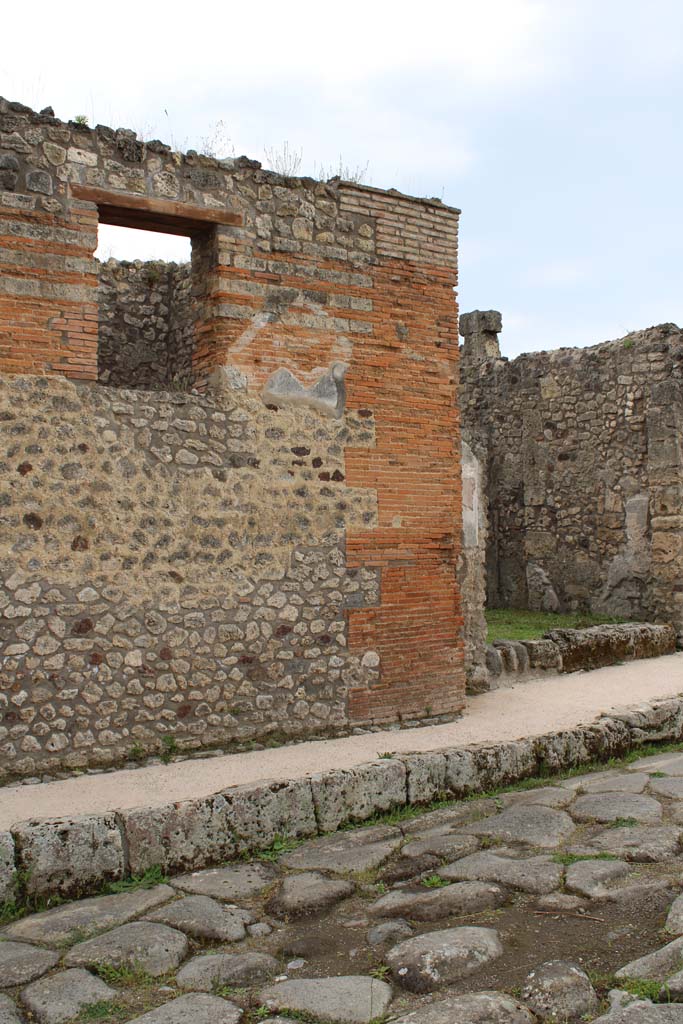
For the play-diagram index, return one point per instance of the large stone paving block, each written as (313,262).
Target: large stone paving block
(256,815)
(84,918)
(7,869)
(354,999)
(202,973)
(432,961)
(8,1011)
(457,900)
(69,856)
(347,852)
(178,837)
(234,882)
(473,1008)
(539,875)
(196,1008)
(531,825)
(605,807)
(355,794)
(20,963)
(62,996)
(154,948)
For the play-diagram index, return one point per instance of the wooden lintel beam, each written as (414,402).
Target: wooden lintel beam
(166,215)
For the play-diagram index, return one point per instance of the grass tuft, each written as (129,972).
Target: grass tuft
(147,880)
(517,624)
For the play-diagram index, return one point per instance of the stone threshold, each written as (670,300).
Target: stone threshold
(78,856)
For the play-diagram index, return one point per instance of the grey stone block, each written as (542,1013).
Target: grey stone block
(195,1008)
(155,948)
(179,837)
(543,654)
(62,996)
(8,1011)
(257,814)
(87,917)
(7,869)
(355,794)
(355,999)
(69,856)
(426,777)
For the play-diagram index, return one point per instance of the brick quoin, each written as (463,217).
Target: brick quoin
(354,275)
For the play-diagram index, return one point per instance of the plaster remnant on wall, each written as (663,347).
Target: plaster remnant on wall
(542,595)
(327,395)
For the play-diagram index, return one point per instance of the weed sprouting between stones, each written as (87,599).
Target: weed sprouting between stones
(573,858)
(434,882)
(147,880)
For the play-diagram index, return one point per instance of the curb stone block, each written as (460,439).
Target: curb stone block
(76,856)
(69,856)
(355,794)
(543,654)
(426,777)
(257,814)
(7,869)
(178,837)
(480,768)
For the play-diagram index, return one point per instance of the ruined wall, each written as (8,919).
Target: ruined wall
(472,568)
(584,473)
(146,325)
(328,308)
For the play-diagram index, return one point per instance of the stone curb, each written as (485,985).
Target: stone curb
(574,650)
(77,856)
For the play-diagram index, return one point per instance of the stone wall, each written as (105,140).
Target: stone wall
(472,569)
(172,565)
(324,317)
(584,471)
(146,329)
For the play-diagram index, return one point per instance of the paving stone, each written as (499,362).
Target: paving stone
(672,764)
(639,843)
(153,947)
(451,900)
(442,844)
(546,796)
(204,918)
(609,782)
(643,1012)
(20,963)
(345,852)
(428,962)
(537,875)
(589,877)
(473,1008)
(389,932)
(673,988)
(533,825)
(209,969)
(308,893)
(8,1011)
(606,807)
(559,991)
(671,788)
(356,998)
(647,894)
(197,1008)
(238,881)
(674,921)
(448,817)
(560,901)
(62,996)
(84,918)
(659,965)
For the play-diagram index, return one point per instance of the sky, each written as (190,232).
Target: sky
(554,125)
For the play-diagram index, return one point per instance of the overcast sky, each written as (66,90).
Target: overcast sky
(555,125)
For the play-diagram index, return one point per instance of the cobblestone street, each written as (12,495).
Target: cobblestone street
(555,901)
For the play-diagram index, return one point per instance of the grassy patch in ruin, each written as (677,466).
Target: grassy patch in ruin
(519,624)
